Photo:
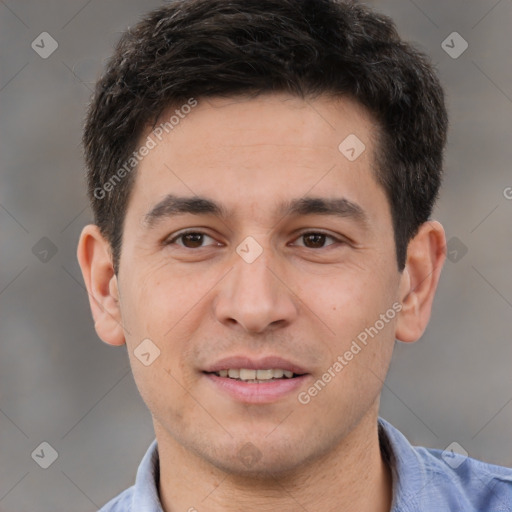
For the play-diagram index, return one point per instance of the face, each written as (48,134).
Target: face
(282,257)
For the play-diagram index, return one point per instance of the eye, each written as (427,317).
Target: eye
(316,240)
(191,239)
(197,239)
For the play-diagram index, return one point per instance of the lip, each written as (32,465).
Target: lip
(256,392)
(252,363)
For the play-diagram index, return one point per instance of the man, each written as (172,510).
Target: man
(262,175)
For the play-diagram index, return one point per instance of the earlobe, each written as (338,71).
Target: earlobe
(425,258)
(95,262)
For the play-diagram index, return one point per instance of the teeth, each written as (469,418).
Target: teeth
(246,374)
(264,374)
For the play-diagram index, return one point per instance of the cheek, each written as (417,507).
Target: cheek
(165,306)
(159,298)
(156,311)
(351,305)
(164,391)
(345,300)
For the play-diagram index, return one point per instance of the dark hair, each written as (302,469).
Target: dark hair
(204,48)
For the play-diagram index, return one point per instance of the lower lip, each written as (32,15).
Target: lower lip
(257,392)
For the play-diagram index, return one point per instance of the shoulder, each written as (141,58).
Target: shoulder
(121,503)
(431,480)
(467,481)
(143,495)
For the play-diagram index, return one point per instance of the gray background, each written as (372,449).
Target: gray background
(60,384)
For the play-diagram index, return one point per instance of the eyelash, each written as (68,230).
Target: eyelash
(172,240)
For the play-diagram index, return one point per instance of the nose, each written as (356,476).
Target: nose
(256,296)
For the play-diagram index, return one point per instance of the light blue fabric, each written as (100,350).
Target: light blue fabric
(422,481)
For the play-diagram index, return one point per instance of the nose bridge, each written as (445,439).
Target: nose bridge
(252,276)
(252,296)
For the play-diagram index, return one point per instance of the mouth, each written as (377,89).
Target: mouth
(255,376)
(263,380)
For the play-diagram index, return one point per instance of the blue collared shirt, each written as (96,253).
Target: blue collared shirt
(424,480)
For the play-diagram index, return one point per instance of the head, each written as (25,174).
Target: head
(299,144)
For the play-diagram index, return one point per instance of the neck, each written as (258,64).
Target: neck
(352,476)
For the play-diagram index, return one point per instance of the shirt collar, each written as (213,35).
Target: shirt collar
(408,470)
(146,496)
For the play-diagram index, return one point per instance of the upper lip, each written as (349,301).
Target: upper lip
(253,363)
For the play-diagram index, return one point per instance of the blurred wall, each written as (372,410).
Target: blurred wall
(61,385)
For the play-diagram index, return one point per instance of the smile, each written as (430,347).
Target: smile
(251,386)
(250,375)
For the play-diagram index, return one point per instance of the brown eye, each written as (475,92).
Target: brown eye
(190,240)
(314,240)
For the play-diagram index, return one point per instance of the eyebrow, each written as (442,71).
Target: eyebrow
(172,205)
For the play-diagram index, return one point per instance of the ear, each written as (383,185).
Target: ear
(426,254)
(94,257)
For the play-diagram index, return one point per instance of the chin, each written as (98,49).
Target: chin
(261,458)
(278,464)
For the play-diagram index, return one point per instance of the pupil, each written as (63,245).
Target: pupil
(317,239)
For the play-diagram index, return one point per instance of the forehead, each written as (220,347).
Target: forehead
(246,153)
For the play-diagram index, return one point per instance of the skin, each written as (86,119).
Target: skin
(298,300)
